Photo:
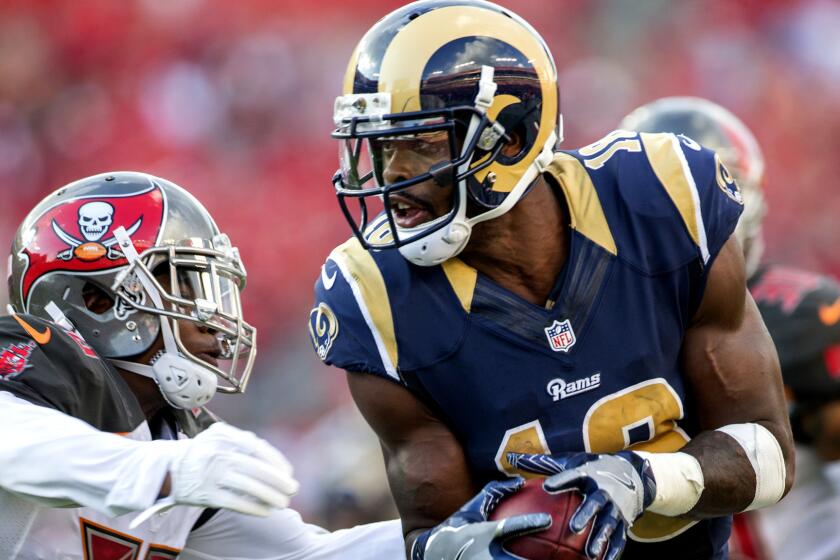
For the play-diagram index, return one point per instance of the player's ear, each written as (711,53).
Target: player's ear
(96,299)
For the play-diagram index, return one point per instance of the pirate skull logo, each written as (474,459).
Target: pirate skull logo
(94,219)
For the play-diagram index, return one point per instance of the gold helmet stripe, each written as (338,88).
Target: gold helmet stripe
(350,75)
(406,57)
(410,50)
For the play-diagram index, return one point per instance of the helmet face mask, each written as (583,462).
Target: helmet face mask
(197,281)
(467,71)
(369,145)
(129,259)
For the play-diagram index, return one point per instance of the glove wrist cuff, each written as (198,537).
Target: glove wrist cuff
(418,549)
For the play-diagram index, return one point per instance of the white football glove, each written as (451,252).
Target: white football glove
(225,467)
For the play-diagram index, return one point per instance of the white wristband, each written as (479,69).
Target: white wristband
(679,482)
(767,460)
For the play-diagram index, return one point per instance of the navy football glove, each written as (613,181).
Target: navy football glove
(468,535)
(616,490)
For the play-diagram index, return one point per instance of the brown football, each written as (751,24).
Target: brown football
(558,542)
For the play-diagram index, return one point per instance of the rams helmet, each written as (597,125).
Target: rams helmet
(456,80)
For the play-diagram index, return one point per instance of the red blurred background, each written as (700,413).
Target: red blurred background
(233,101)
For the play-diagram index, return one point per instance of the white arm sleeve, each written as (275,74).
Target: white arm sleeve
(61,461)
(284,536)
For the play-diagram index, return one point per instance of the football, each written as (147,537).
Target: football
(558,542)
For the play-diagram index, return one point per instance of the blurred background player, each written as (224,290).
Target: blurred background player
(126,320)
(499,296)
(802,312)
(716,128)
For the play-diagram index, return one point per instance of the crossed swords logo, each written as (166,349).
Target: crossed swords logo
(108,244)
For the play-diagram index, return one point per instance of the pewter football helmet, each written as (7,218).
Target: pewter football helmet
(155,252)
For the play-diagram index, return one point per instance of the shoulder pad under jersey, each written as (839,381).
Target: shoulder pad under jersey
(377,313)
(657,201)
(46,365)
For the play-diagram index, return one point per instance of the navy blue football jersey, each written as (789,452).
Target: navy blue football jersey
(597,369)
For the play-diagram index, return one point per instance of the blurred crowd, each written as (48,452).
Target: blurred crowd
(233,100)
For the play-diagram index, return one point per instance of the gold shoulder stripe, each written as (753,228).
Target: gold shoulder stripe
(587,214)
(365,279)
(462,277)
(672,171)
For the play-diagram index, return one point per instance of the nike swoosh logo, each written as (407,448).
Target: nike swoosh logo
(624,480)
(328,280)
(40,337)
(830,314)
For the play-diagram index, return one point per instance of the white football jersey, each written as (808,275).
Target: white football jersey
(30,531)
(71,433)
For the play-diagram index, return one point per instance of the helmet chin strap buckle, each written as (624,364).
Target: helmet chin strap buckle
(58,317)
(489,137)
(486,89)
(182,383)
(459,232)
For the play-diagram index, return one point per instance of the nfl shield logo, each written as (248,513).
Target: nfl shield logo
(560,336)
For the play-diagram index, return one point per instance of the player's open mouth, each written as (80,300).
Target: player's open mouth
(410,211)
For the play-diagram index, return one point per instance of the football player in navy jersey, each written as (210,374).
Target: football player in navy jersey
(125,321)
(504,308)
(802,312)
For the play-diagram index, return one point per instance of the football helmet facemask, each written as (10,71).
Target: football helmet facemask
(154,254)
(717,129)
(450,81)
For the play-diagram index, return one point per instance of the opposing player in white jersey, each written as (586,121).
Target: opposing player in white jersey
(125,321)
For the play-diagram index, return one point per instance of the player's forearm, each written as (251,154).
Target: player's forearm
(58,460)
(284,536)
(728,475)
(732,469)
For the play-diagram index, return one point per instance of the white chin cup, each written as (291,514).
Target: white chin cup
(184,383)
(438,246)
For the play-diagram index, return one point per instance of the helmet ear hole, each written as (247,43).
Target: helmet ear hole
(96,298)
(515,147)
(520,120)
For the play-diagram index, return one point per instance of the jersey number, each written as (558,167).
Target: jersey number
(641,417)
(596,154)
(103,543)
